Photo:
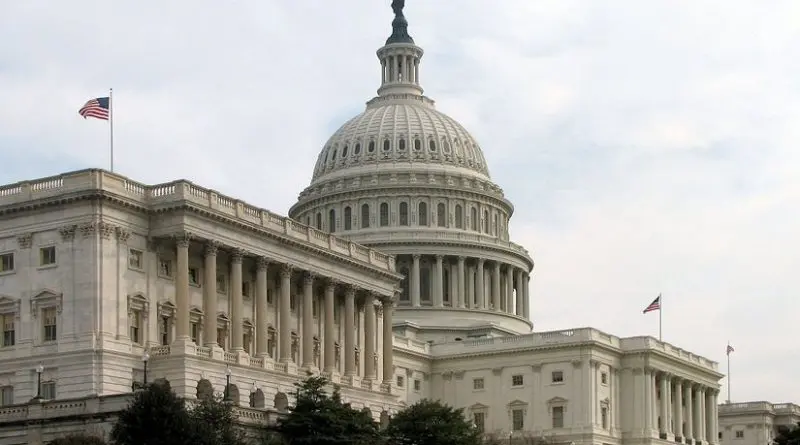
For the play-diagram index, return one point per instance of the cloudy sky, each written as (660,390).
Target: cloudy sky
(648,146)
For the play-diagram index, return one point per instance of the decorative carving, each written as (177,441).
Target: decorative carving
(577,363)
(379,310)
(416,256)
(101,228)
(409,372)
(211,248)
(536,367)
(68,232)
(459,375)
(25,240)
(166,309)
(122,235)
(497,371)
(237,255)
(137,302)
(308,278)
(447,375)
(182,239)
(262,263)
(286,270)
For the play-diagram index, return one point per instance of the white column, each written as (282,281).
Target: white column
(520,294)
(261,308)
(284,320)
(496,296)
(664,381)
(349,331)
(388,339)
(461,288)
(330,350)
(698,413)
(237,333)
(480,287)
(678,420)
(648,401)
(714,416)
(414,281)
(182,287)
(369,336)
(688,393)
(509,289)
(526,309)
(210,296)
(438,291)
(471,287)
(308,321)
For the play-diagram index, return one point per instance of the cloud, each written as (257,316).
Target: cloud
(648,146)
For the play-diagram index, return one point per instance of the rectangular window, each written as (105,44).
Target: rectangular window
(417,385)
(477,383)
(135,259)
(48,390)
(50,324)
(221,333)
(195,332)
(558,417)
(164,331)
(604,417)
(558,376)
(246,289)
(740,434)
(517,380)
(165,268)
(9,334)
(135,327)
(222,284)
(518,419)
(6,395)
(47,256)
(479,419)
(604,378)
(194,276)
(400,381)
(7,262)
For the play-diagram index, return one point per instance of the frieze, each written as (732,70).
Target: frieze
(68,232)
(25,240)
(101,228)
(123,235)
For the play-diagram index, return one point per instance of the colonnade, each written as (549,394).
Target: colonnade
(464,282)
(286,273)
(679,408)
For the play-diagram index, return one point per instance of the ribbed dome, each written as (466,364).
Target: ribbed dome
(400,133)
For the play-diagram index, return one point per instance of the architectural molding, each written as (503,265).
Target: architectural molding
(10,305)
(25,240)
(138,302)
(123,235)
(45,298)
(67,232)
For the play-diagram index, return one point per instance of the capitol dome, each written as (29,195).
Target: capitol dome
(411,181)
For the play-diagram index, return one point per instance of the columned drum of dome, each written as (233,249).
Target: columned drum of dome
(411,181)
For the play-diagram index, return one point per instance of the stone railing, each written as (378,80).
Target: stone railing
(640,343)
(411,344)
(786,408)
(183,192)
(777,408)
(412,234)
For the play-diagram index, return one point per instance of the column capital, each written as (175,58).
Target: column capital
(497,265)
(461,258)
(237,255)
(416,256)
(182,239)
(439,258)
(331,282)
(481,261)
(262,263)
(308,277)
(286,270)
(350,290)
(387,300)
(211,248)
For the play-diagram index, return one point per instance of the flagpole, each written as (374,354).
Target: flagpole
(111,125)
(728,353)
(660,310)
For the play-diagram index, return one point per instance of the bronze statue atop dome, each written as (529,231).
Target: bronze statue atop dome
(397,6)
(399,24)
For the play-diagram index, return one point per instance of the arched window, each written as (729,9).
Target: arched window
(364,216)
(348,218)
(446,281)
(432,145)
(308,220)
(441,215)
(371,146)
(422,211)
(403,213)
(384,214)
(401,145)
(332,221)
(473,216)
(319,221)
(387,145)
(417,145)
(357,149)
(486,221)
(404,295)
(345,150)
(459,217)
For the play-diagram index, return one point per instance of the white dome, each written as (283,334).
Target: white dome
(404,132)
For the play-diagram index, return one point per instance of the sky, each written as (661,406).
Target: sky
(648,147)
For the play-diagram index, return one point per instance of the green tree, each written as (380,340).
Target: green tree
(215,423)
(156,416)
(320,418)
(788,435)
(79,439)
(429,422)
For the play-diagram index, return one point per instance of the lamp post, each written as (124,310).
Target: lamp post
(145,359)
(39,371)
(253,390)
(227,384)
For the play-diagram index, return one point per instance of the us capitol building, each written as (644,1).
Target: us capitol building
(394,275)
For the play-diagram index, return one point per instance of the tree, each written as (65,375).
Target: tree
(214,423)
(429,422)
(319,418)
(79,439)
(156,416)
(788,435)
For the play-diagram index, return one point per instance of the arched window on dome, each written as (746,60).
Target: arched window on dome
(432,145)
(348,218)
(319,221)
(332,221)
(345,150)
(364,216)
(404,213)
(422,212)
(441,215)
(333,156)
(473,218)
(459,217)
(417,145)
(496,225)
(371,146)
(357,149)
(445,146)
(384,210)
(401,145)
(404,296)
(486,222)
(387,145)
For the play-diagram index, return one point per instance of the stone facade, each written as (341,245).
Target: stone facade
(755,423)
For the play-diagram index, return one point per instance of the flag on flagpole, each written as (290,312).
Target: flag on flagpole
(98,108)
(654,306)
(729,350)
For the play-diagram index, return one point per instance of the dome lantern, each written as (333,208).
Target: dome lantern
(399,58)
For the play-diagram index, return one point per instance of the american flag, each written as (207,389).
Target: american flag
(729,350)
(654,306)
(97,108)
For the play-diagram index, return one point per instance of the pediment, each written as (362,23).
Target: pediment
(517,402)
(196,310)
(166,309)
(222,316)
(45,298)
(478,406)
(138,302)
(9,305)
(45,294)
(557,400)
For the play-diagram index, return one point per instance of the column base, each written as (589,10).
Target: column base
(352,380)
(242,357)
(289,367)
(182,346)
